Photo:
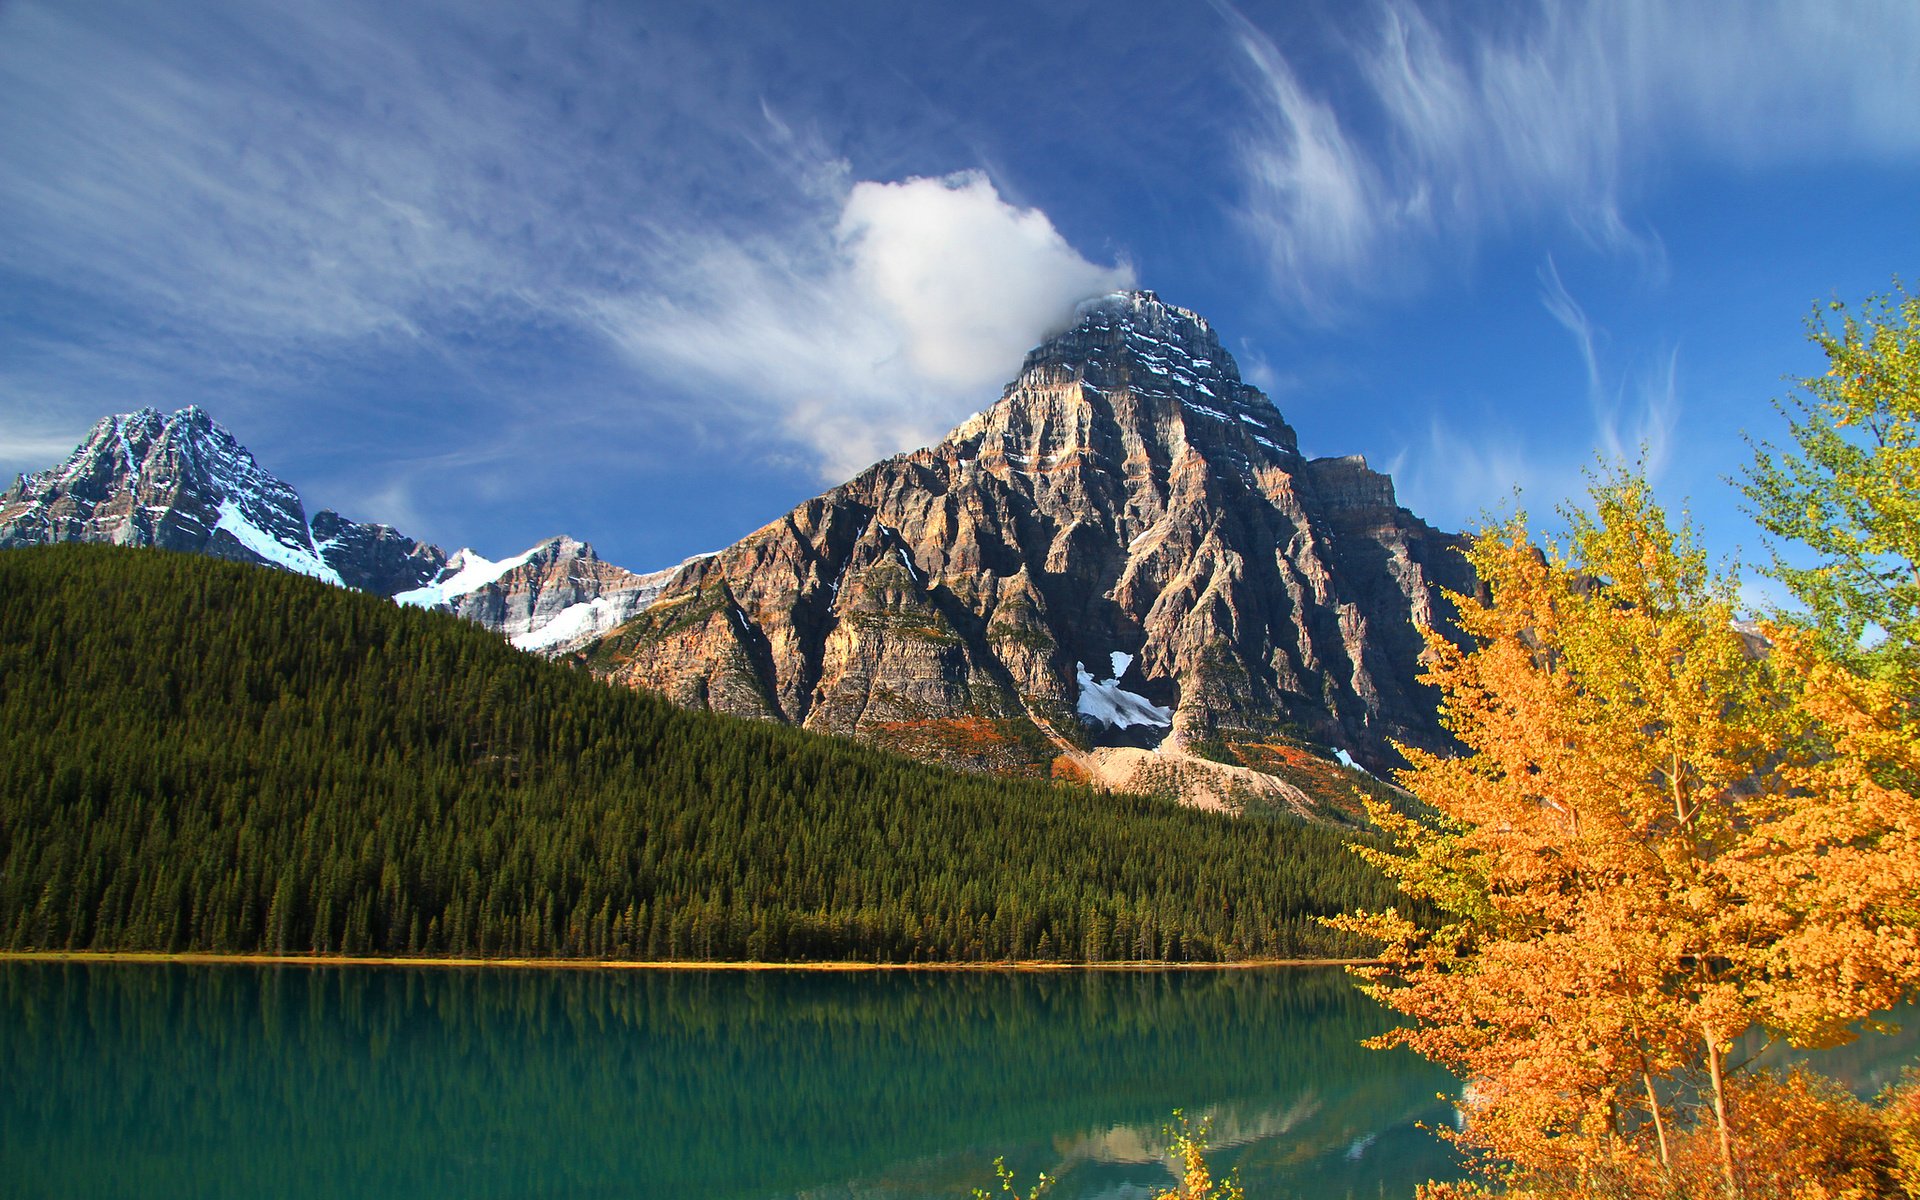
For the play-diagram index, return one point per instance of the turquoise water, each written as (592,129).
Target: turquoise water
(176,1081)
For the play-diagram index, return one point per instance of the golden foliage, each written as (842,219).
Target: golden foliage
(1189,1145)
(1656,842)
(1900,1114)
(1800,1137)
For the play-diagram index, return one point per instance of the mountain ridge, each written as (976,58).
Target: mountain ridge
(1123,572)
(182,481)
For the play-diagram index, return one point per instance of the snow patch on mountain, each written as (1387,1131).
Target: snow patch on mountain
(465,572)
(300,559)
(551,599)
(1110,704)
(573,624)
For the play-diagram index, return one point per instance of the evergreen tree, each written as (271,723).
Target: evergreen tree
(197,755)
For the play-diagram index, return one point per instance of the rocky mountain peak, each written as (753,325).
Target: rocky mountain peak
(552,597)
(1125,559)
(1134,339)
(1107,325)
(182,481)
(1151,372)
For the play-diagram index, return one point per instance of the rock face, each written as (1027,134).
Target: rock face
(1126,552)
(553,598)
(181,482)
(375,558)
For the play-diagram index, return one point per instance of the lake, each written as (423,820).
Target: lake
(176,1081)
(202,1081)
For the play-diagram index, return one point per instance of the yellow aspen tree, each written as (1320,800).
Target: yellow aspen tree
(1619,857)
(1846,496)
(1832,930)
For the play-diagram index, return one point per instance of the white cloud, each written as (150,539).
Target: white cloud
(971,281)
(1455,128)
(878,331)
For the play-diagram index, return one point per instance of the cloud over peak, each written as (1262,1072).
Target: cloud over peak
(970,281)
(873,330)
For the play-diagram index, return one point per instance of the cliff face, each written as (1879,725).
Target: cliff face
(1126,551)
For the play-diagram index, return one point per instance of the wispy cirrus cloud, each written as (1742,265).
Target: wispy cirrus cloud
(1465,478)
(1460,464)
(203,173)
(1633,419)
(1456,126)
(22,451)
(250,198)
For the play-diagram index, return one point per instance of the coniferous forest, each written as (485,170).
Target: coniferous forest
(197,755)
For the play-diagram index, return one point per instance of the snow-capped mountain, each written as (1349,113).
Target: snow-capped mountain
(552,598)
(181,481)
(1124,571)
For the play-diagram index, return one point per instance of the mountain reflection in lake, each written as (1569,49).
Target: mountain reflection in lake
(163,1081)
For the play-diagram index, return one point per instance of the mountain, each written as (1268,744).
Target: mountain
(181,481)
(320,770)
(375,558)
(555,597)
(1124,570)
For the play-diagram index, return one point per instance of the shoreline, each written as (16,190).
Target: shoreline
(196,958)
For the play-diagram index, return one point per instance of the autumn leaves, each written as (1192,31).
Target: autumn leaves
(1663,837)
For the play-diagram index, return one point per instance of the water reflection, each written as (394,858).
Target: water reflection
(1866,1066)
(196,1081)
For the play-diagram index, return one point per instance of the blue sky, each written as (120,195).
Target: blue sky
(651,273)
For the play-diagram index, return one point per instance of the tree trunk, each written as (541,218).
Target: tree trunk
(1720,1111)
(1659,1126)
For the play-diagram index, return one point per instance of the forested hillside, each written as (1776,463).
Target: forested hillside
(199,755)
